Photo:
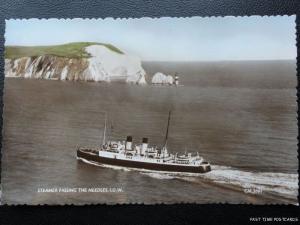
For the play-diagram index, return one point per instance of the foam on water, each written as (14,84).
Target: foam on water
(103,165)
(277,183)
(159,175)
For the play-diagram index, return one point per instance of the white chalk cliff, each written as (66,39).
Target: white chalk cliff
(106,65)
(103,65)
(160,78)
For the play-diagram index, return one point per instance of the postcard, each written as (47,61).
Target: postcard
(150,110)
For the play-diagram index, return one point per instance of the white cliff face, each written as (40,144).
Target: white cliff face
(160,78)
(7,68)
(103,65)
(46,67)
(106,65)
(17,67)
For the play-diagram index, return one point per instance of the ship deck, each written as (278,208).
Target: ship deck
(116,160)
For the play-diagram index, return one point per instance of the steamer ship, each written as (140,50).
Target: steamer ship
(142,156)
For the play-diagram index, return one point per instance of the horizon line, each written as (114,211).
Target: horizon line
(218,60)
(221,60)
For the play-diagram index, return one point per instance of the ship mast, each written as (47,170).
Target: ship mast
(104,133)
(167,131)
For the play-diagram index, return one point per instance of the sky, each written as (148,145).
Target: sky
(168,39)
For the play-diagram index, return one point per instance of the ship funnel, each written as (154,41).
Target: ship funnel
(144,145)
(129,143)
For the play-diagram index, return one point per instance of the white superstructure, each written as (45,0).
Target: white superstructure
(143,153)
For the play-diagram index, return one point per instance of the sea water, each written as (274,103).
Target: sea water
(240,116)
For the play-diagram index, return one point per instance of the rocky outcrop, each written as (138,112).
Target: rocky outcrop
(103,65)
(160,78)
(46,67)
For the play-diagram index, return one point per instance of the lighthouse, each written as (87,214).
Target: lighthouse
(176,79)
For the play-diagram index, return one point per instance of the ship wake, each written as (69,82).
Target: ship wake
(278,184)
(282,184)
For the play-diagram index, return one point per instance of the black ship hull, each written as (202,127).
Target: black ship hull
(94,157)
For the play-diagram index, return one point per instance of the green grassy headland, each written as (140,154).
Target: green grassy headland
(70,50)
